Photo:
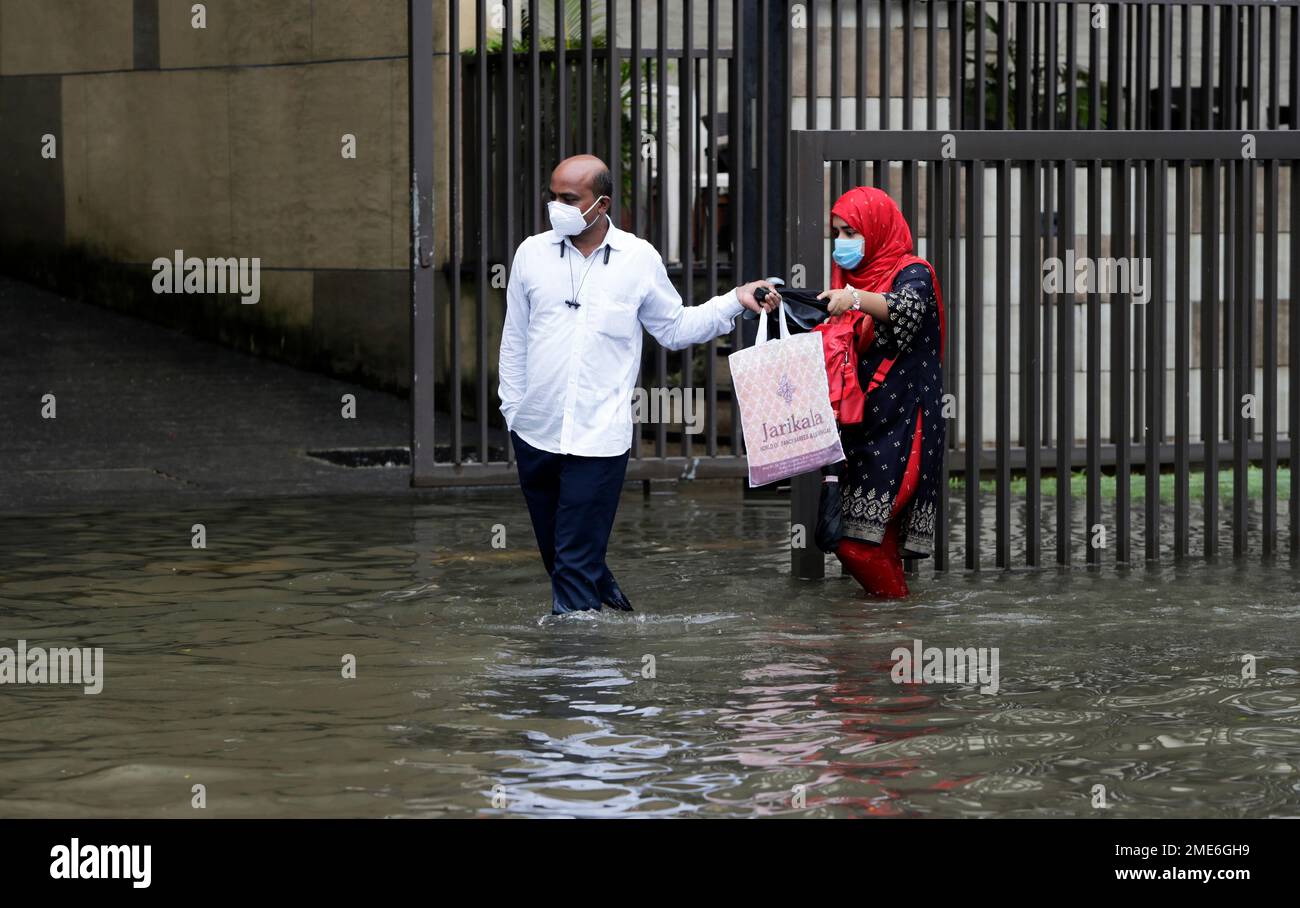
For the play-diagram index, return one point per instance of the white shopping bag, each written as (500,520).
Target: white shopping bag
(785,404)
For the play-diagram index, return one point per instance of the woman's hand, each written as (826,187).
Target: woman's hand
(841,301)
(838,301)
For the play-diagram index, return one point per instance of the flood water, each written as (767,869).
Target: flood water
(222,667)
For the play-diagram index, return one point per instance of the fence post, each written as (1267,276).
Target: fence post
(420,76)
(807,244)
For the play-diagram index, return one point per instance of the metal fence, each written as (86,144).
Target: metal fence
(687,105)
(1045,64)
(699,108)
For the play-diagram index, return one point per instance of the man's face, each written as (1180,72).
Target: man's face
(570,193)
(576,192)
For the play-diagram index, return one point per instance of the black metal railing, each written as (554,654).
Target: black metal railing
(672,103)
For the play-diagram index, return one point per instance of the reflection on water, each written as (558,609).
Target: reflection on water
(732,690)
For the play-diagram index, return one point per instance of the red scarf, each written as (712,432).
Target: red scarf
(887,245)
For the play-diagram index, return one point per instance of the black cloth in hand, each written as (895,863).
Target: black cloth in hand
(803,311)
(830,523)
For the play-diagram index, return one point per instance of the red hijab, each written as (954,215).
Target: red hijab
(887,245)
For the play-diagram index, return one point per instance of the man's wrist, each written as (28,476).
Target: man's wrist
(731,304)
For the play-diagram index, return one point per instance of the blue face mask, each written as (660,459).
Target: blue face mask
(848,253)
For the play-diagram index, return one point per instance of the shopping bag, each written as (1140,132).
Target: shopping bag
(785,407)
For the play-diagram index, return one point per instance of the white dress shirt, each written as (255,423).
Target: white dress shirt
(567,375)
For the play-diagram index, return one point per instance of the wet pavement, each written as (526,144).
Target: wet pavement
(143,410)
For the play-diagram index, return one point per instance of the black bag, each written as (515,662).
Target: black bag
(830,523)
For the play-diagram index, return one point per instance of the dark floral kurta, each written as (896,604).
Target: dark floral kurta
(877,450)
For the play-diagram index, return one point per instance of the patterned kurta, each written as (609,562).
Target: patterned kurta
(877,450)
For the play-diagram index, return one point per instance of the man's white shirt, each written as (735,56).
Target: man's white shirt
(567,374)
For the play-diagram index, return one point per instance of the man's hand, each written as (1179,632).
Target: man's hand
(745,293)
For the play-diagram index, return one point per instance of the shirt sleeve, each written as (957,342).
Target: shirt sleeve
(677,326)
(513,361)
(910,299)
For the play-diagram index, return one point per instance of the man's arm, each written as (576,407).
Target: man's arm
(513,362)
(677,326)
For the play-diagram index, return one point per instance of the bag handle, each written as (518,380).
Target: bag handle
(762,337)
(882,371)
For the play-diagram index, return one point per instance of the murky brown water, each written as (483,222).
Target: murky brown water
(222,667)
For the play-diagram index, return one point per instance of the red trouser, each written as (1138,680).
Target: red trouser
(879,568)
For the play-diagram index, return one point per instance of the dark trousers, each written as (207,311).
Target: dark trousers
(572,501)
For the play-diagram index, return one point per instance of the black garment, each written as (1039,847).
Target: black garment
(877,450)
(802,309)
(830,519)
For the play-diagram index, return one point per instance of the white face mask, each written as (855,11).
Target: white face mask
(567,220)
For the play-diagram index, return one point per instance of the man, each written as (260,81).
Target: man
(577,299)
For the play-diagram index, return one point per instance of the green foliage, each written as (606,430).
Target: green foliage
(1138,485)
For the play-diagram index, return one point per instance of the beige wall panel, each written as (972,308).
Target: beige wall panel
(399,162)
(238,33)
(147,163)
(297,202)
(342,29)
(50,36)
(441,26)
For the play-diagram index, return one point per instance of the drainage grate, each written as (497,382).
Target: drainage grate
(364,457)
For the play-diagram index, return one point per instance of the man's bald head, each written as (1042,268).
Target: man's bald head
(580,180)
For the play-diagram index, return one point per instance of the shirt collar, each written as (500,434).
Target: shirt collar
(617,239)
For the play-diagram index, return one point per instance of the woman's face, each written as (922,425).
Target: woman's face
(840,230)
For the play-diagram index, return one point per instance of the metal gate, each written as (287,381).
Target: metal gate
(727,78)
(687,101)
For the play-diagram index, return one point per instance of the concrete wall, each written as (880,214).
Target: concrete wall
(220,141)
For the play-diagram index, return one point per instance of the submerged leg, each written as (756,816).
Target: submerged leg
(589,493)
(539,479)
(878,568)
(610,592)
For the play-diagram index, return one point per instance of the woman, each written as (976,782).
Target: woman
(894,456)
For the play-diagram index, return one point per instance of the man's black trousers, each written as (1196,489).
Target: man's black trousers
(572,501)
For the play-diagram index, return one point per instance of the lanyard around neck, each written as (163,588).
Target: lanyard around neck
(572,301)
